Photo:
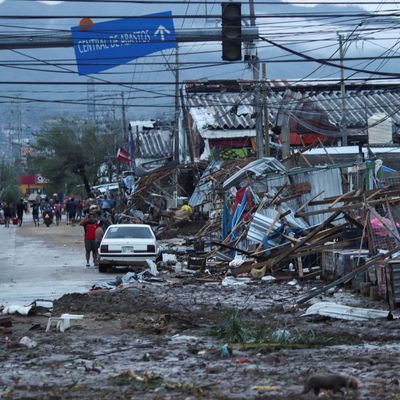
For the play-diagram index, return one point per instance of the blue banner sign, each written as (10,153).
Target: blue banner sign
(104,45)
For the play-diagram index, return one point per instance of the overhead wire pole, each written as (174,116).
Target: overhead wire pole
(123,111)
(177,110)
(265,110)
(343,127)
(255,65)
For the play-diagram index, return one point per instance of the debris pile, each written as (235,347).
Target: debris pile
(266,219)
(338,222)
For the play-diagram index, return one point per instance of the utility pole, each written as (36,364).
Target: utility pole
(176,119)
(91,100)
(343,127)
(255,65)
(285,134)
(265,110)
(124,130)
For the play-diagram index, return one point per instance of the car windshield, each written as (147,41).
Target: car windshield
(129,232)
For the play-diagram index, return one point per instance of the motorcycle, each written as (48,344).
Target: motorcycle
(47,217)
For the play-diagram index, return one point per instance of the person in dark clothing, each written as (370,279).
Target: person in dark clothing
(71,211)
(35,213)
(7,215)
(20,211)
(57,212)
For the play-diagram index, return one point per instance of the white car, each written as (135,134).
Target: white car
(127,245)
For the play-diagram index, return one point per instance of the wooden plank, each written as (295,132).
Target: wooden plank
(301,208)
(326,152)
(359,195)
(343,196)
(353,221)
(300,267)
(319,228)
(389,286)
(346,208)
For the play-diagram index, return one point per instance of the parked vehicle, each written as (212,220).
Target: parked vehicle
(127,245)
(47,217)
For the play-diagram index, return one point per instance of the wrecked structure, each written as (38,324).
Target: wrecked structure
(265,218)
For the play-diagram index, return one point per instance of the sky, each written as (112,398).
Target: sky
(145,90)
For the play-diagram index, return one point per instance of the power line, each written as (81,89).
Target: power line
(327,62)
(205,2)
(386,13)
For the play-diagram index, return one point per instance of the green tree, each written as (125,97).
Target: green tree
(9,188)
(71,151)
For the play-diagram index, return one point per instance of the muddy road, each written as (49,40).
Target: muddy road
(40,262)
(190,338)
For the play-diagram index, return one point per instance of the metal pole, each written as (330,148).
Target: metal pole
(32,40)
(265,110)
(124,130)
(176,128)
(255,64)
(343,127)
(285,133)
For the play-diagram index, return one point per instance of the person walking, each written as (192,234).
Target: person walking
(99,233)
(20,211)
(90,225)
(35,213)
(57,212)
(79,208)
(71,210)
(7,214)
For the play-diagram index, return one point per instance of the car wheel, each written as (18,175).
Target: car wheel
(103,268)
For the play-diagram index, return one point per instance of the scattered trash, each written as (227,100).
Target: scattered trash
(237,261)
(148,275)
(41,307)
(265,387)
(242,361)
(152,267)
(28,342)
(231,281)
(15,309)
(340,311)
(268,278)
(226,351)
(170,259)
(178,267)
(62,323)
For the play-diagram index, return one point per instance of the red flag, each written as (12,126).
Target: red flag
(123,156)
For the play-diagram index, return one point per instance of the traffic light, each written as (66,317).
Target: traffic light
(231,31)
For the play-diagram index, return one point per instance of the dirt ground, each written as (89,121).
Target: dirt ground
(166,341)
(192,338)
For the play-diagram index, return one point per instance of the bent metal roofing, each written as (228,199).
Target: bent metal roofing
(229,105)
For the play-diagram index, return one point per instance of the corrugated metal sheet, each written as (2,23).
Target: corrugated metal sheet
(263,222)
(234,110)
(340,311)
(204,188)
(328,181)
(155,143)
(263,166)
